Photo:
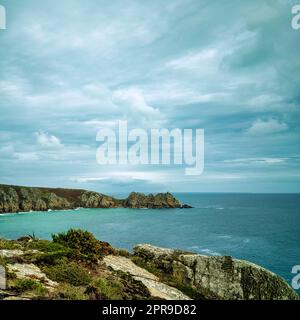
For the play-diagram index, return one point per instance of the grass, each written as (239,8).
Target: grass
(2,261)
(66,291)
(28,286)
(147,265)
(53,258)
(68,272)
(102,289)
(10,245)
(123,253)
(44,246)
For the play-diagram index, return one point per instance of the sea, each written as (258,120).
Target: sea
(261,228)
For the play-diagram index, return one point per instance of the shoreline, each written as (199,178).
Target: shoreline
(15,199)
(77,209)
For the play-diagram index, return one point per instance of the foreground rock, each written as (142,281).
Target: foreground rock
(10,253)
(222,278)
(24,199)
(152,282)
(31,271)
(15,253)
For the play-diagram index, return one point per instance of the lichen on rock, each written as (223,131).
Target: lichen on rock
(216,277)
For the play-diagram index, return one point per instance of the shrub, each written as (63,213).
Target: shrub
(9,245)
(52,258)
(132,288)
(68,292)
(10,275)
(120,286)
(68,272)
(28,285)
(2,261)
(84,242)
(103,289)
(44,246)
(122,253)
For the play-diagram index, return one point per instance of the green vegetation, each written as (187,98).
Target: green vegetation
(105,289)
(84,244)
(28,286)
(147,265)
(53,258)
(9,244)
(117,286)
(71,260)
(123,253)
(68,272)
(166,276)
(43,246)
(2,261)
(66,291)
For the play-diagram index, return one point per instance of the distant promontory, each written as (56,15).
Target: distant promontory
(24,199)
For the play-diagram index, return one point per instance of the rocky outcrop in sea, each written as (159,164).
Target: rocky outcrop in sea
(24,199)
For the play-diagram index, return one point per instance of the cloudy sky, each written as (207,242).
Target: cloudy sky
(71,67)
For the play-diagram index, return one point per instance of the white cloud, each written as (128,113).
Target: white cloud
(101,123)
(221,176)
(261,127)
(86,179)
(46,140)
(265,100)
(150,176)
(26,156)
(91,96)
(179,93)
(193,60)
(133,104)
(257,160)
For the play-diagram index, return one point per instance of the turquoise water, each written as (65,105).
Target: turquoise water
(262,228)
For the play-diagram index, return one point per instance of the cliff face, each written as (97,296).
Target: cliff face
(20,199)
(160,200)
(217,278)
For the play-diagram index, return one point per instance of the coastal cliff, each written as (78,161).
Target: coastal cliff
(24,199)
(76,265)
(215,277)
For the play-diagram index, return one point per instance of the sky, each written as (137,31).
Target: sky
(69,68)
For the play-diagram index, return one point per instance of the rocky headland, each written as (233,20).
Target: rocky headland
(24,199)
(75,265)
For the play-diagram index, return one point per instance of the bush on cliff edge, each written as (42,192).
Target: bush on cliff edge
(84,243)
